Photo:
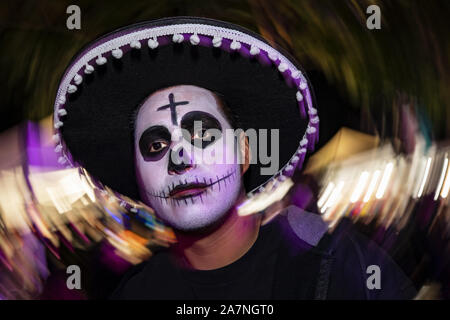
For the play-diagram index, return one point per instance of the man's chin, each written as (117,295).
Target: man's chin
(197,225)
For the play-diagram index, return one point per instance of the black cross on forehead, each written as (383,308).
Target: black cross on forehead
(172,105)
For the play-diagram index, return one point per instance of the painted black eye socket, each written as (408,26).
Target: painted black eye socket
(203,135)
(203,128)
(154,143)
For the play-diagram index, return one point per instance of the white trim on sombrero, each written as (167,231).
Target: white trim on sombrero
(72,78)
(151,33)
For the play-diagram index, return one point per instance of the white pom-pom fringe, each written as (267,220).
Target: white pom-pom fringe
(282,67)
(273,56)
(289,168)
(100,60)
(62,100)
(117,53)
(235,45)
(78,79)
(254,50)
(62,112)
(88,69)
(71,88)
(135,44)
(217,42)
(152,43)
(299,96)
(194,39)
(303,142)
(296,74)
(177,38)
(312,111)
(311,130)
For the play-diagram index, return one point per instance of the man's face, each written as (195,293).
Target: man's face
(185,190)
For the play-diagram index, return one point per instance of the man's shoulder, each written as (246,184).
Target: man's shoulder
(351,257)
(307,226)
(300,231)
(360,263)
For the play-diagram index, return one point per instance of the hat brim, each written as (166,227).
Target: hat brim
(96,125)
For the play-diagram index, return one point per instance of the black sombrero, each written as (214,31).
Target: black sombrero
(264,88)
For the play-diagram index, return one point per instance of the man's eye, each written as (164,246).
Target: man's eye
(202,135)
(157,146)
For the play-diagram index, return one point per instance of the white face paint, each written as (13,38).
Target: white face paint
(198,194)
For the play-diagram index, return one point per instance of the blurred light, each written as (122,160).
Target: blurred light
(265,199)
(425,177)
(57,201)
(334,197)
(325,195)
(446,186)
(385,180)
(372,185)
(360,186)
(441,179)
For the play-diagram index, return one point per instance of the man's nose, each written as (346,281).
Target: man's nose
(179,161)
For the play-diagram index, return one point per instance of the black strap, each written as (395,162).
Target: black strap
(323,279)
(326,246)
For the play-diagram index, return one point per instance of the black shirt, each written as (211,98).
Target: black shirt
(293,258)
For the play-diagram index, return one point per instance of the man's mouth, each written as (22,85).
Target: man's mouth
(188,190)
(191,190)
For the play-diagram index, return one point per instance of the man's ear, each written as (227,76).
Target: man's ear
(245,151)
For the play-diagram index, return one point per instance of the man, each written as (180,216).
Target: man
(152,124)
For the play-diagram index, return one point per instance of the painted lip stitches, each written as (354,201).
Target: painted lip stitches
(203,184)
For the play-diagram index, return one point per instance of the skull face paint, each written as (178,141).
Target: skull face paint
(188,194)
